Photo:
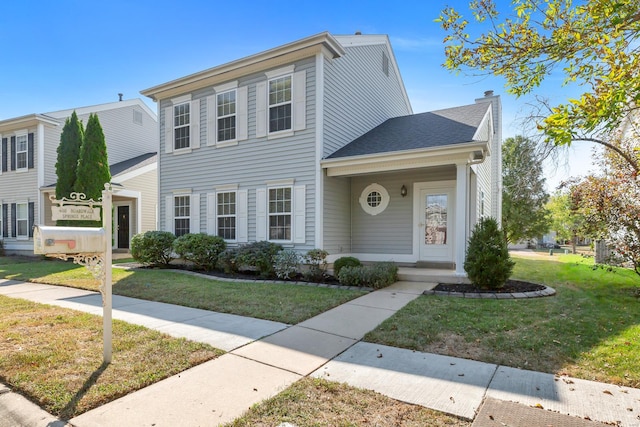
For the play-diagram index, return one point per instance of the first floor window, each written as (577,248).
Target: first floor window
(182,215)
(2,219)
(22,220)
(280,213)
(22,149)
(226,210)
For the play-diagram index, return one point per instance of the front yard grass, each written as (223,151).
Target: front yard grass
(589,330)
(53,356)
(263,300)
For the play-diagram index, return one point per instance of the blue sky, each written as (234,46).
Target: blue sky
(74,53)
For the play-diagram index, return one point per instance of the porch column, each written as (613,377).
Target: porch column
(462,212)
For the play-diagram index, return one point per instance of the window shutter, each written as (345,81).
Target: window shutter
(14,222)
(299,100)
(261,214)
(13,154)
(211,120)
(242,235)
(5,157)
(241,113)
(168,214)
(261,109)
(31,209)
(194,118)
(168,130)
(212,230)
(299,214)
(194,219)
(31,152)
(5,220)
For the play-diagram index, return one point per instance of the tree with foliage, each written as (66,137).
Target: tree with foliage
(68,154)
(566,220)
(595,44)
(524,196)
(487,261)
(93,164)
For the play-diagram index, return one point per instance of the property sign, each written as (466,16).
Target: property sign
(75,213)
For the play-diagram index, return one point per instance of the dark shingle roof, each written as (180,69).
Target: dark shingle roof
(425,130)
(132,164)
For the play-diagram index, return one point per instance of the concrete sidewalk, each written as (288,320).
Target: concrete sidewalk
(266,357)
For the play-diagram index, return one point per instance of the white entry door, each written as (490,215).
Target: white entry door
(435,218)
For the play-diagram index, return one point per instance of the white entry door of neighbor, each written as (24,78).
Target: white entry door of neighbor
(435,213)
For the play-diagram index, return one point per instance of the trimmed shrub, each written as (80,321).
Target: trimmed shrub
(488,263)
(376,276)
(200,249)
(345,261)
(227,260)
(316,259)
(286,264)
(153,248)
(258,256)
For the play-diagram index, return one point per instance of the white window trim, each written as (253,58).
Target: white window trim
(20,134)
(290,213)
(1,167)
(235,215)
(173,213)
(174,127)
(384,202)
(298,213)
(283,132)
(18,236)
(194,123)
(232,141)
(2,219)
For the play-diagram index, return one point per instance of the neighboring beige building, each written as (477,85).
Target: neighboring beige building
(27,174)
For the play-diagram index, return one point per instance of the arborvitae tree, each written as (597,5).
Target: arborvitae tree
(68,154)
(67,162)
(93,164)
(488,263)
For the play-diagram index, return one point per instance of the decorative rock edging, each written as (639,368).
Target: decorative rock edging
(546,292)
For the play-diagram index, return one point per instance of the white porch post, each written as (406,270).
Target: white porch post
(461,215)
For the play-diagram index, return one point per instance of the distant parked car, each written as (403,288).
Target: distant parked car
(552,246)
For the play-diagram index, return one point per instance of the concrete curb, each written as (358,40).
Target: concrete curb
(546,292)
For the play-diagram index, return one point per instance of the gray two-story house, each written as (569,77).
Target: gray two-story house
(314,144)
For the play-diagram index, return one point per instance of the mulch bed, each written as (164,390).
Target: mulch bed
(512,286)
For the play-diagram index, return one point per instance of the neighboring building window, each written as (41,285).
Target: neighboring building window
(226,211)
(226,113)
(22,150)
(22,220)
(2,219)
(280,104)
(279,213)
(137,117)
(182,215)
(181,125)
(374,199)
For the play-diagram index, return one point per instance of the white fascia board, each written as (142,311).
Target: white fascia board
(402,160)
(28,121)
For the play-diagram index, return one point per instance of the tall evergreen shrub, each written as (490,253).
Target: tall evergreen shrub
(67,161)
(488,263)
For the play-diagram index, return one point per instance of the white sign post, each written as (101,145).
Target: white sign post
(99,262)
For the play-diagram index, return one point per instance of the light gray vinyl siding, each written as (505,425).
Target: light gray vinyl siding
(147,185)
(358,96)
(337,213)
(250,164)
(390,232)
(51,142)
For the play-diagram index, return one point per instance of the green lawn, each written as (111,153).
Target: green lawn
(590,329)
(285,303)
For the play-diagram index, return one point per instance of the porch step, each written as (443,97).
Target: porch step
(429,275)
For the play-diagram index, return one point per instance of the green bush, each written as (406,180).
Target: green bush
(286,264)
(200,249)
(227,260)
(376,276)
(345,261)
(258,256)
(316,260)
(153,248)
(488,263)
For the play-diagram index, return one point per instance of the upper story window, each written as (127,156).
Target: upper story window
(182,215)
(280,104)
(226,113)
(226,209)
(181,125)
(22,151)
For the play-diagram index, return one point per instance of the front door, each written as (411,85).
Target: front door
(435,214)
(123,227)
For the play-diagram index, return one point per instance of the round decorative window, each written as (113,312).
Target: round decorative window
(374,199)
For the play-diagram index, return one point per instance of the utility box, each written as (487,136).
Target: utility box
(48,240)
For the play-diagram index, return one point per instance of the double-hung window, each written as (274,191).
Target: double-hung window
(226,115)
(226,212)
(280,104)
(182,215)
(22,152)
(22,220)
(279,212)
(181,125)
